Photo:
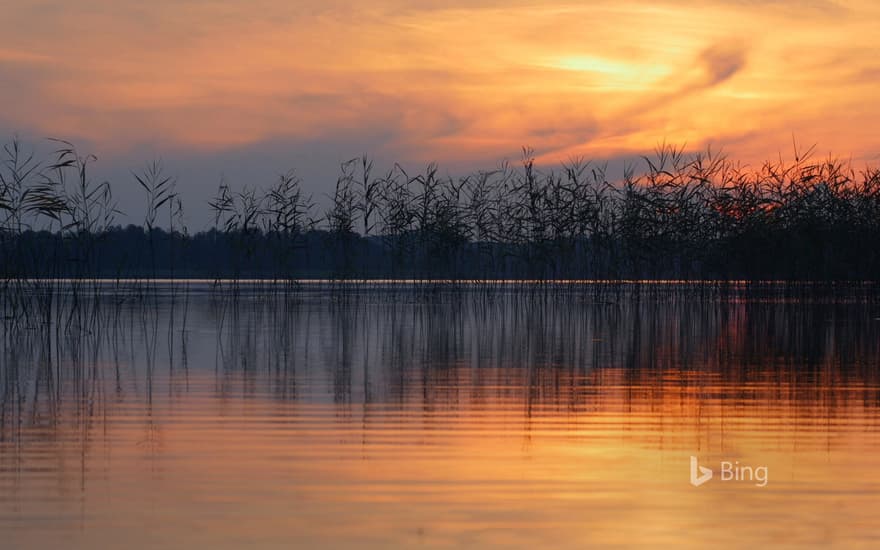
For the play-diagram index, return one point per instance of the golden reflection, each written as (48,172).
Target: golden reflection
(517,458)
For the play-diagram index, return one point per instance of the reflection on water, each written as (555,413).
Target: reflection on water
(376,419)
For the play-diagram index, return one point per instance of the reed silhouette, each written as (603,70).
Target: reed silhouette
(682,216)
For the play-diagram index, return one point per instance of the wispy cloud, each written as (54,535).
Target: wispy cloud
(450,80)
(721,61)
(21,56)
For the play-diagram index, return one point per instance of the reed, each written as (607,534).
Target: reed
(675,215)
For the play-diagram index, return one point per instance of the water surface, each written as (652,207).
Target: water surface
(448,418)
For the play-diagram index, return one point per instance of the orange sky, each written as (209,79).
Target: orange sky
(449,81)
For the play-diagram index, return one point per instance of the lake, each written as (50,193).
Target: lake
(405,416)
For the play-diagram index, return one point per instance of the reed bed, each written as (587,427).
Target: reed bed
(676,216)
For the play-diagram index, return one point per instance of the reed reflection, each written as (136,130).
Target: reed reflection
(546,349)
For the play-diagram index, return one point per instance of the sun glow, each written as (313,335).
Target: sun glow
(594,65)
(610,67)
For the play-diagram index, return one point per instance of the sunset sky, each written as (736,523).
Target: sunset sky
(253,88)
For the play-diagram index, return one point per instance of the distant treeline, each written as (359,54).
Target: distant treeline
(680,216)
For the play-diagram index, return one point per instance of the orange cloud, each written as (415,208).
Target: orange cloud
(448,81)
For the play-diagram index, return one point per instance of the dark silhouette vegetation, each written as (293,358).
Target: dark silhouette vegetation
(682,216)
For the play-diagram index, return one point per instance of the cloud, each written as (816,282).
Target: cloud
(9,56)
(460,82)
(713,66)
(721,62)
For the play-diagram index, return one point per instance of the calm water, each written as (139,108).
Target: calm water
(383,419)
